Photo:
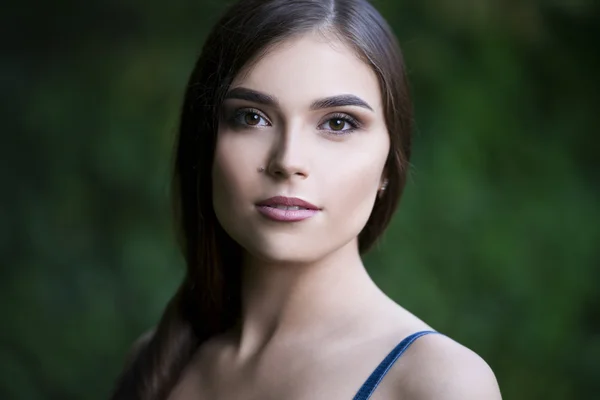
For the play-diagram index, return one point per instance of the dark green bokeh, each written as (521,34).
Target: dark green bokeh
(495,242)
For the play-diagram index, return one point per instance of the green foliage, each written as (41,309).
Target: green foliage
(495,242)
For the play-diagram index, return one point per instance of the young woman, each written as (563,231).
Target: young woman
(292,155)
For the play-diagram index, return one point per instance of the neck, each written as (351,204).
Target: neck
(284,302)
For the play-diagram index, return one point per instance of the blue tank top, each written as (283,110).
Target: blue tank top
(382,369)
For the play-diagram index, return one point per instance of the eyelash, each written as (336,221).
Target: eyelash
(237,118)
(355,124)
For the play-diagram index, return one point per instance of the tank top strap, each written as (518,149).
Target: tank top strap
(367,389)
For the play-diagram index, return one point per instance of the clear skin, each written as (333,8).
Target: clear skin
(314,325)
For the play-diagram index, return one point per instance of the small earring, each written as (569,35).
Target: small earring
(261,169)
(384,185)
(382,188)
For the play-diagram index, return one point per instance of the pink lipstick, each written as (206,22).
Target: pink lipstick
(287,209)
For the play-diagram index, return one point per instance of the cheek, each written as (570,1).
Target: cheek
(225,178)
(355,190)
(231,184)
(353,182)
(232,179)
(234,168)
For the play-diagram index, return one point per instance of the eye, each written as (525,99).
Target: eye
(340,124)
(249,117)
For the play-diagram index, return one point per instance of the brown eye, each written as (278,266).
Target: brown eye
(249,118)
(340,124)
(337,124)
(252,118)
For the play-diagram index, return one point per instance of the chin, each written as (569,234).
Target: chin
(302,244)
(285,251)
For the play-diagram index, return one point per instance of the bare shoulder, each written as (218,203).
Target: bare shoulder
(440,368)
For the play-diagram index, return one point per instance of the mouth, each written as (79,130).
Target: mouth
(287,209)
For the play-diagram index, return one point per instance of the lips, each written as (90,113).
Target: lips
(281,201)
(287,209)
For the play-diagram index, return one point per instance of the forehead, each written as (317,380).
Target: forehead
(311,66)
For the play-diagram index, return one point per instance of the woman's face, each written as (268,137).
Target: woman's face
(310,114)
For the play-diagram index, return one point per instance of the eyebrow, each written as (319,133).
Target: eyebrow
(241,93)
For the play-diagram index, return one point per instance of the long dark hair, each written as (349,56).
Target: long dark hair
(208,300)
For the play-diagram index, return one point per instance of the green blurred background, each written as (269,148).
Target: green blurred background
(495,242)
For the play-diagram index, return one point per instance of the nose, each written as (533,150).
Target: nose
(289,156)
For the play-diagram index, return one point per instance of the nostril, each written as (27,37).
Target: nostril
(281,170)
